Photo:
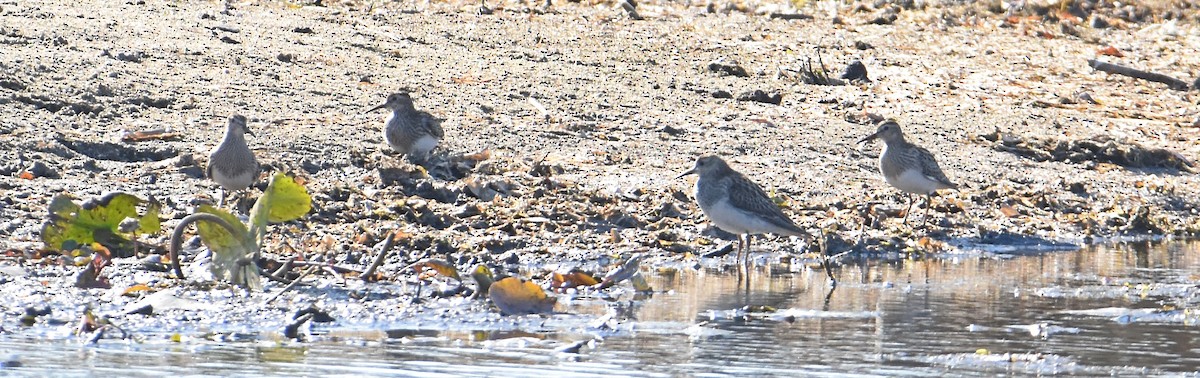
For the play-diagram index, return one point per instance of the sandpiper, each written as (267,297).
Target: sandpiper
(232,165)
(409,131)
(736,204)
(908,167)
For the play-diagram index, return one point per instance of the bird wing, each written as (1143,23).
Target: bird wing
(746,195)
(930,168)
(433,125)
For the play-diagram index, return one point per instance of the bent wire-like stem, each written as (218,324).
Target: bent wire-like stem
(177,235)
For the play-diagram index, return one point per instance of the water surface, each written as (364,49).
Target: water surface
(1125,309)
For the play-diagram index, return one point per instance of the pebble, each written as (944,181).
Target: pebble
(727,67)
(759,95)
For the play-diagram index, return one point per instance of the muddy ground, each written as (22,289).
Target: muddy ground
(585,115)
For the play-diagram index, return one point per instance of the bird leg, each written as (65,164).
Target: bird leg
(741,245)
(749,238)
(910,205)
(928,204)
(823,249)
(220,197)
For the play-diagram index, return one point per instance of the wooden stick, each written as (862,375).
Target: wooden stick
(383,252)
(1171,82)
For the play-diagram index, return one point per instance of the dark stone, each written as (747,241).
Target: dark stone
(759,95)
(727,68)
(855,71)
(39,169)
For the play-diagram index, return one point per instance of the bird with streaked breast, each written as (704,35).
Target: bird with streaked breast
(231,164)
(409,131)
(908,167)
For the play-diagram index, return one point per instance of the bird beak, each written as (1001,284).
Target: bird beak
(374,109)
(690,171)
(251,133)
(868,138)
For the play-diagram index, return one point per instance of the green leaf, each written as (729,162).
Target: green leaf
(97,220)
(215,237)
(150,223)
(284,200)
(232,252)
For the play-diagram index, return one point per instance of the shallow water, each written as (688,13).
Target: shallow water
(1100,310)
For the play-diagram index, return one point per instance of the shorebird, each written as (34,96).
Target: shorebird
(908,167)
(736,204)
(232,165)
(409,131)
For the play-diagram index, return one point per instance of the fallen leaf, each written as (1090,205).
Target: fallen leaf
(135,289)
(27,175)
(437,267)
(572,279)
(515,296)
(1009,211)
(479,156)
(1110,51)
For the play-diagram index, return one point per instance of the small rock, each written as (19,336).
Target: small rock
(192,171)
(39,169)
(228,40)
(302,30)
(886,16)
(727,68)
(676,131)
(863,45)
(1085,97)
(721,93)
(1098,22)
(103,90)
(286,58)
(759,95)
(855,71)
(125,56)
(185,160)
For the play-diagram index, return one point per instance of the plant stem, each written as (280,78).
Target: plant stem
(177,235)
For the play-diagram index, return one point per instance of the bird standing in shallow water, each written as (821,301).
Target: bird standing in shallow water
(908,167)
(232,165)
(736,204)
(409,131)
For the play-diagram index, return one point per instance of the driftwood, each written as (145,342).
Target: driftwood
(1171,82)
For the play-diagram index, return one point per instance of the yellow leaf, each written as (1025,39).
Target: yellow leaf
(136,289)
(572,279)
(515,296)
(284,200)
(438,266)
